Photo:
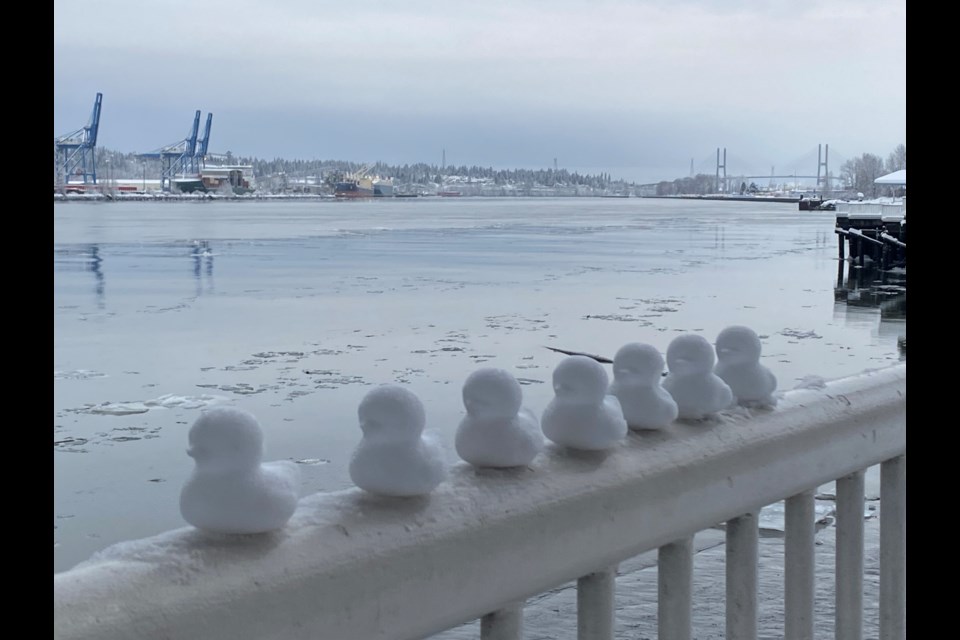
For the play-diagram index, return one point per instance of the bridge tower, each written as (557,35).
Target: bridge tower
(721,166)
(75,153)
(822,162)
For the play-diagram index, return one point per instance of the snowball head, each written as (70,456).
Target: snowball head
(580,379)
(690,353)
(738,345)
(492,393)
(638,363)
(391,412)
(226,438)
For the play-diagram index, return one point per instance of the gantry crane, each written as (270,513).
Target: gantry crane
(75,153)
(200,158)
(181,158)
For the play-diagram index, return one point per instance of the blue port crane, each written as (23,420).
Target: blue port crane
(178,158)
(199,158)
(75,152)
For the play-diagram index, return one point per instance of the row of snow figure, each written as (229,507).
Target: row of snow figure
(232,491)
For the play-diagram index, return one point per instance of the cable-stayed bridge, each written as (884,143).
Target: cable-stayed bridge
(818,168)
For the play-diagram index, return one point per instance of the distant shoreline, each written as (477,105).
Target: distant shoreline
(206,197)
(791,199)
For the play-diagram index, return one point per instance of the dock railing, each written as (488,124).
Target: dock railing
(350,566)
(871,209)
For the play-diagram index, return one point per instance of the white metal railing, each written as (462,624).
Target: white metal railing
(871,209)
(350,566)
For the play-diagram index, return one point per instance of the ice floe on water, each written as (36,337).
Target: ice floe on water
(241,388)
(292,356)
(77,374)
(802,335)
(515,322)
(168,401)
(312,461)
(331,379)
(72,444)
(619,317)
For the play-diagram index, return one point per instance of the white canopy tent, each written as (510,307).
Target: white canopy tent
(895,178)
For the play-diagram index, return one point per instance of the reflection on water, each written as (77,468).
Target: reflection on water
(95,267)
(90,258)
(873,293)
(84,258)
(202,255)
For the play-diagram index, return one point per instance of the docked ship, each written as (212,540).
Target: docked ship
(382,188)
(354,187)
(360,185)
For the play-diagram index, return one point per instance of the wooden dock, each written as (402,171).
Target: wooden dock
(872,232)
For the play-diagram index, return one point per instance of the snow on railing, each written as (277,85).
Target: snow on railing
(887,237)
(871,209)
(350,565)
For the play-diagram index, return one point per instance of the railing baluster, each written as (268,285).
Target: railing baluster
(849,559)
(595,605)
(504,624)
(893,549)
(799,566)
(675,578)
(742,543)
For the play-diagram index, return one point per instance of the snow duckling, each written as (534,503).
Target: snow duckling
(738,364)
(395,457)
(231,490)
(582,415)
(637,373)
(698,392)
(497,431)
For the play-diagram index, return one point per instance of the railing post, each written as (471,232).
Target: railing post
(799,566)
(675,578)
(893,549)
(849,558)
(742,543)
(595,605)
(504,624)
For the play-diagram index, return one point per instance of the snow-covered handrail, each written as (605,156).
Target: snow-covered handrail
(892,240)
(349,565)
(858,232)
(870,209)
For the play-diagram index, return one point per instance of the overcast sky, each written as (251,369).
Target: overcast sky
(636,88)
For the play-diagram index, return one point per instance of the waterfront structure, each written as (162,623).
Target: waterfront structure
(75,153)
